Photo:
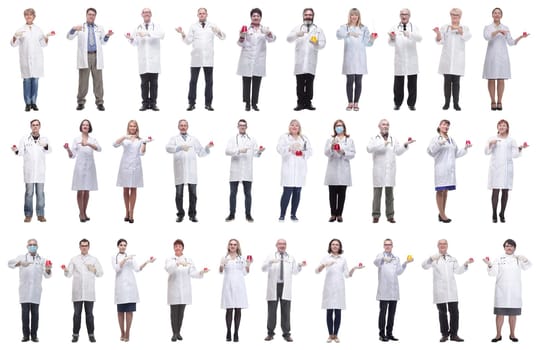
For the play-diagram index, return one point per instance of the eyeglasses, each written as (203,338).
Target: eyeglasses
(32,245)
(84,246)
(388,244)
(455,14)
(242,125)
(404,14)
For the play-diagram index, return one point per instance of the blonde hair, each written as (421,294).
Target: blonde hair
(238,249)
(299,126)
(136,124)
(354,11)
(29,11)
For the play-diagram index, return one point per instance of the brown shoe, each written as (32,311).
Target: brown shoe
(456,338)
(375,220)
(269,337)
(27,218)
(391,220)
(41,219)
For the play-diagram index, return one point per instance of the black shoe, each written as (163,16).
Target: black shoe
(494,218)
(35,339)
(25,339)
(288,338)
(154,108)
(298,108)
(514,339)
(255,107)
(443,338)
(179,337)
(391,220)
(130,220)
(179,218)
(80,107)
(494,340)
(143,108)
(193,219)
(332,219)
(248,107)
(392,338)
(383,338)
(27,108)
(499,106)
(208,108)
(339,219)
(249,218)
(412,108)
(34,107)
(501,216)
(269,337)
(235,338)
(173,338)
(101,107)
(74,338)
(396,108)
(91,338)
(126,219)
(190,108)
(228,337)
(443,220)
(294,218)
(311,107)
(445,107)
(229,218)
(456,338)
(457,107)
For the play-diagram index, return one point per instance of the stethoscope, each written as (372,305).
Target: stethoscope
(246,135)
(401,26)
(307,26)
(345,140)
(390,137)
(448,140)
(142,26)
(32,141)
(303,140)
(35,258)
(120,254)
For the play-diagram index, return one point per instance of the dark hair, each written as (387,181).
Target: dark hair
(255,10)
(495,9)
(242,121)
(344,128)
(340,246)
(178,242)
(443,121)
(309,9)
(89,125)
(91,9)
(507,125)
(120,241)
(510,242)
(35,120)
(84,240)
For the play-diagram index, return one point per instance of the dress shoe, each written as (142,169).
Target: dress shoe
(444,338)
(249,218)
(382,338)
(248,107)
(446,221)
(494,218)
(294,218)
(311,107)
(91,338)
(332,219)
(298,108)
(446,106)
(269,337)
(193,219)
(209,108)
(126,219)
(179,337)
(412,108)
(80,107)
(281,218)
(173,338)
(493,106)
(101,107)
(74,338)
(501,216)
(392,338)
(514,339)
(25,339)
(391,220)
(288,338)
(457,107)
(255,107)
(27,218)
(131,220)
(34,107)
(143,108)
(375,220)
(396,108)
(35,339)
(27,108)
(456,338)
(41,219)
(154,108)
(339,219)
(235,338)
(190,108)
(228,336)
(497,339)
(179,218)
(499,106)
(229,218)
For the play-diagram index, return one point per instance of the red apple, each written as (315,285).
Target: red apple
(63,266)
(14,146)
(205,269)
(360,264)
(211,143)
(150,138)
(110,32)
(525,34)
(151,258)
(471,260)
(468,142)
(409,139)
(128,35)
(304,262)
(244,29)
(298,153)
(53,33)
(48,263)
(249,258)
(375,35)
(525,144)
(393,33)
(261,148)
(66,145)
(336,147)
(487,258)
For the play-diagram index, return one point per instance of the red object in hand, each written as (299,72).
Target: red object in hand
(360,264)
(525,33)
(304,262)
(336,147)
(205,269)
(249,258)
(409,139)
(53,32)
(244,29)
(298,153)
(150,138)
(468,142)
(151,258)
(110,32)
(525,144)
(393,33)
(211,143)
(261,148)
(14,146)
(471,260)
(66,145)
(436,29)
(48,263)
(63,266)
(375,35)
(487,258)
(128,35)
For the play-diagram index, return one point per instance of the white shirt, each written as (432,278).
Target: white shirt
(384,159)
(242,162)
(507,270)
(31,44)
(272,265)
(202,54)
(294,167)
(181,270)
(148,42)
(30,277)
(252,60)
(33,153)
(185,157)
(405,54)
(306,52)
(338,169)
(84,280)
(389,270)
(445,267)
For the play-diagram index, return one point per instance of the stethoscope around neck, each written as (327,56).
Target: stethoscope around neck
(389,137)
(246,135)
(307,27)
(401,26)
(141,26)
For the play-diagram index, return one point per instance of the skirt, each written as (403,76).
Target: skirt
(445,188)
(507,311)
(127,307)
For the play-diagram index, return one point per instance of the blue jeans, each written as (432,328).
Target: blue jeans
(286,197)
(29,199)
(30,88)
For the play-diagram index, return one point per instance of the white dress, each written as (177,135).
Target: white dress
(354,51)
(130,174)
(453,50)
(84,173)
(334,282)
(125,284)
(497,62)
(233,293)
(501,164)
(338,170)
(445,153)
(252,60)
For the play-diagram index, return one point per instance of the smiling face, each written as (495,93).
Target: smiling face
(509,249)
(281,245)
(183,126)
(443,246)
(146,15)
(233,246)
(178,249)
(455,16)
(404,16)
(242,127)
(308,16)
(29,17)
(85,127)
(90,17)
(502,128)
(444,126)
(335,247)
(384,127)
(294,128)
(35,126)
(496,15)
(388,245)
(84,247)
(255,19)
(122,246)
(133,128)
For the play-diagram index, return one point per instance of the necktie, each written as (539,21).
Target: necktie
(444,256)
(281,268)
(146,26)
(91,36)
(404,27)
(184,136)
(203,24)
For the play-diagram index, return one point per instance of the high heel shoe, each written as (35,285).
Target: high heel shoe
(499,106)
(493,106)
(446,221)
(494,218)
(501,216)
(126,219)
(130,220)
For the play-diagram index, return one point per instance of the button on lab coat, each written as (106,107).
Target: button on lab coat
(84,281)
(185,162)
(305,54)
(444,281)
(82,45)
(293,167)
(405,55)
(242,163)
(179,281)
(202,54)
(33,153)
(252,60)
(388,287)
(272,266)
(31,45)
(445,160)
(30,277)
(384,160)
(338,170)
(148,47)
(507,270)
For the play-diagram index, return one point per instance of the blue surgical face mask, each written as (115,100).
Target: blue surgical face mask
(32,249)
(339,129)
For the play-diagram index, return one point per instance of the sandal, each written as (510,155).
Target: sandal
(355,107)
(349,107)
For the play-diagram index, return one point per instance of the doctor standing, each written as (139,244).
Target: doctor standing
(308,39)
(90,38)
(84,269)
(147,38)
(445,295)
(201,35)
(181,270)
(241,148)
(507,270)
(252,62)
(403,38)
(186,149)
(32,269)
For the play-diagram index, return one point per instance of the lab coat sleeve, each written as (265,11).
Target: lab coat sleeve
(255,148)
(46,141)
(267,264)
(99,269)
(283,146)
(345,270)
(200,150)
(270,38)
(193,273)
(68,272)
(296,268)
(415,35)
(434,147)
(459,269)
(74,148)
(116,265)
(190,35)
(376,144)
(157,32)
(171,146)
(509,40)
(466,36)
(525,266)
(292,35)
(221,35)
(13,262)
(427,264)
(366,38)
(349,149)
(515,150)
(494,269)
(96,143)
(460,152)
(489,149)
(308,151)
(232,148)
(342,32)
(321,43)
(42,39)
(379,260)
(399,149)
(400,267)
(328,151)
(72,34)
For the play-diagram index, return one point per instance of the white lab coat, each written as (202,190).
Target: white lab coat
(185,162)
(233,293)
(444,282)
(501,165)
(242,162)
(125,284)
(31,45)
(84,281)
(405,55)
(293,167)
(354,50)
(130,173)
(272,266)
(202,54)
(30,277)
(338,170)
(148,42)
(84,173)
(384,159)
(388,287)
(497,61)
(507,269)
(445,160)
(179,281)
(33,153)
(334,282)
(305,54)
(82,45)
(252,60)
(453,50)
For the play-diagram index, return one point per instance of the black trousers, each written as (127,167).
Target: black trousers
(29,310)
(399,82)
(149,87)
(247,197)
(354,82)
(451,88)
(452,328)
(289,192)
(88,311)
(209,83)
(384,307)
(337,199)
(192,209)
(304,89)
(333,321)
(285,308)
(177,317)
(251,92)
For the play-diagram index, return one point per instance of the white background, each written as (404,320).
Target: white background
(471,233)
